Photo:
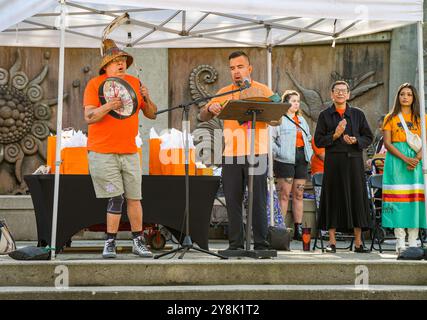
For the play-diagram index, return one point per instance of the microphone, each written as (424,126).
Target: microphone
(246,83)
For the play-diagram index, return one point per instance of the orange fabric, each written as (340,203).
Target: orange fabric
(397,132)
(111,135)
(300,140)
(416,198)
(341,112)
(317,165)
(237,137)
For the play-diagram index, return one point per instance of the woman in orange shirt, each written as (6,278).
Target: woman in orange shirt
(403,181)
(292,152)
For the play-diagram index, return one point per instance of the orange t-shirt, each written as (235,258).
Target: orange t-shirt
(111,135)
(397,132)
(236,136)
(317,165)
(300,140)
(341,112)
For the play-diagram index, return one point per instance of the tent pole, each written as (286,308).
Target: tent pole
(270,147)
(422,102)
(58,130)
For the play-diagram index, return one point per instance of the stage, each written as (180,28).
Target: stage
(292,275)
(163,203)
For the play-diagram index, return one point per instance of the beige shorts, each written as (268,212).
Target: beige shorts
(115,174)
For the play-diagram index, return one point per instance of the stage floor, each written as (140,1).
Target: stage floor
(91,250)
(292,275)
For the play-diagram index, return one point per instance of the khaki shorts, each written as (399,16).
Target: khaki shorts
(115,174)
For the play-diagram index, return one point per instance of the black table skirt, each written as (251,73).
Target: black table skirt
(163,203)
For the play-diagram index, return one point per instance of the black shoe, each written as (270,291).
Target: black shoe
(360,249)
(331,248)
(298,231)
(234,248)
(261,247)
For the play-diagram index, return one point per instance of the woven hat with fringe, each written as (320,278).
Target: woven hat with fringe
(110,51)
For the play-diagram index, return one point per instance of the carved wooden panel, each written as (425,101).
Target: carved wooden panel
(29,85)
(312,69)
(308,69)
(183,61)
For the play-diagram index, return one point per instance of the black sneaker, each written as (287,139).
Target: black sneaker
(261,247)
(234,248)
(331,248)
(298,231)
(361,249)
(109,249)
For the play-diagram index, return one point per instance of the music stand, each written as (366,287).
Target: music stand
(187,244)
(254,109)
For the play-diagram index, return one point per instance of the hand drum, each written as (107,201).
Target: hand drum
(116,87)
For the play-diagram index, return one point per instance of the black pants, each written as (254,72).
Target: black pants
(234,179)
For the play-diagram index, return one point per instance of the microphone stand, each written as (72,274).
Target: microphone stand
(187,244)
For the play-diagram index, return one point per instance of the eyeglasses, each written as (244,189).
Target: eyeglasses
(340,91)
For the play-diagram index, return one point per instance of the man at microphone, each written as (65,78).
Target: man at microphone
(113,159)
(236,155)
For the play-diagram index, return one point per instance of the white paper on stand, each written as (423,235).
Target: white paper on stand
(72,138)
(175,140)
(153,134)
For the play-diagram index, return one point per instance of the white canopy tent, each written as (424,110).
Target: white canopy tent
(199,23)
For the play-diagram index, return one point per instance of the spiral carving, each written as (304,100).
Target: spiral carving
(40,130)
(35,93)
(4,76)
(29,145)
(205,73)
(12,152)
(24,118)
(20,80)
(42,111)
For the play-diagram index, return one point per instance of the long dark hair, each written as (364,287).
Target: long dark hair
(415,106)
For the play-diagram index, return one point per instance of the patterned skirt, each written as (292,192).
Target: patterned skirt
(403,192)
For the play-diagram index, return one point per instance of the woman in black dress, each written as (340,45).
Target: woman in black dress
(344,132)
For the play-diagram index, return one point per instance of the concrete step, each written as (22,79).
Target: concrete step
(205,272)
(214,292)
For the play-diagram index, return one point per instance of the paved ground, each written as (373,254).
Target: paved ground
(91,250)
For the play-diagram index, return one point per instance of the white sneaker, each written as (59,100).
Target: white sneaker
(109,249)
(140,249)
(400,245)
